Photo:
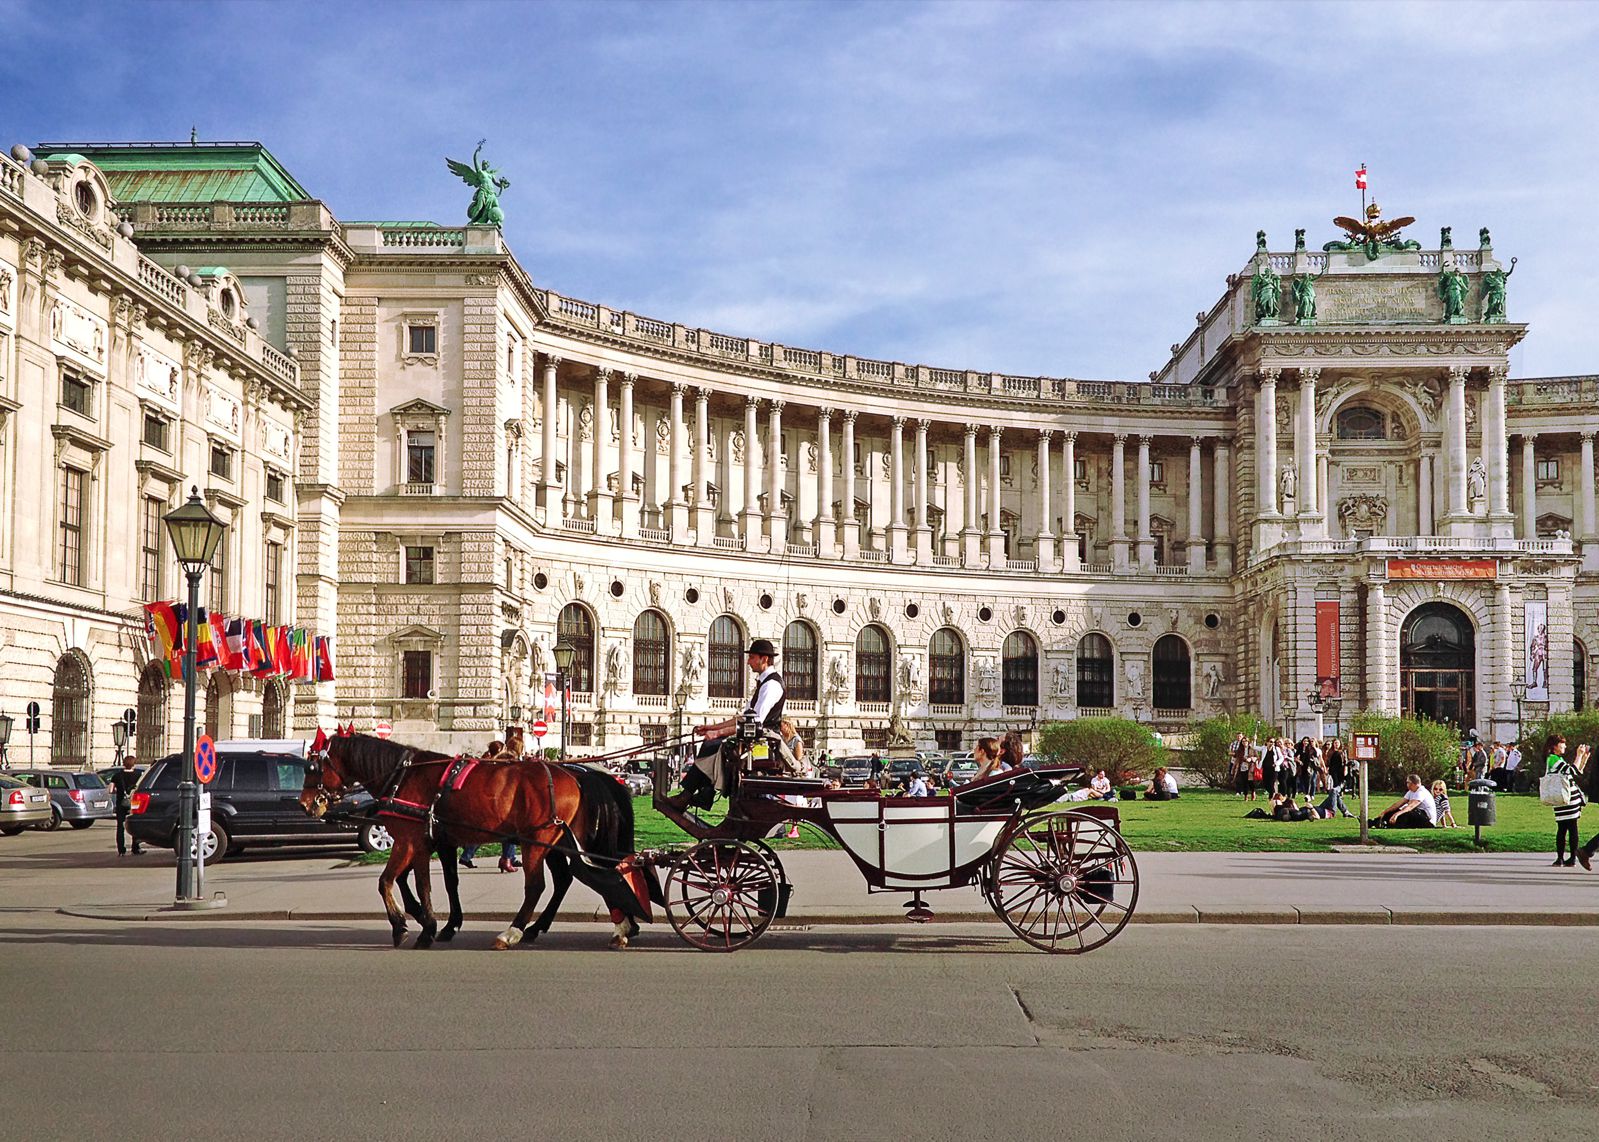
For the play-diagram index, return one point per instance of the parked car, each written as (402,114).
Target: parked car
(855,770)
(961,771)
(21,805)
(902,769)
(105,774)
(79,799)
(255,800)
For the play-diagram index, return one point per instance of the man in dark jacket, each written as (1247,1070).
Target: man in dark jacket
(122,783)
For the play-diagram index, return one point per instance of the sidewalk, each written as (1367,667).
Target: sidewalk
(75,873)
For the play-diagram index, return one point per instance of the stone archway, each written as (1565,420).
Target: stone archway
(1438,664)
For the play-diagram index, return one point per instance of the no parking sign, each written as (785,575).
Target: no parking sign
(205,759)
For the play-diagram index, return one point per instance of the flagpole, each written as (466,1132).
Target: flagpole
(1366,178)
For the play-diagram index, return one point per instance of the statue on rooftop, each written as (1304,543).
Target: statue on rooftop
(487,183)
(1303,289)
(1493,292)
(1375,235)
(1266,290)
(1452,288)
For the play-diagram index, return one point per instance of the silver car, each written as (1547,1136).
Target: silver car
(79,799)
(21,805)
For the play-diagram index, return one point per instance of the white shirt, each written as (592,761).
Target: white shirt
(1427,802)
(1513,759)
(764,697)
(918,787)
(1170,783)
(1100,785)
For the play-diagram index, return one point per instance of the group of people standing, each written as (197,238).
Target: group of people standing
(1277,768)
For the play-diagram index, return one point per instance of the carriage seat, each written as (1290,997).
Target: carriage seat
(779,786)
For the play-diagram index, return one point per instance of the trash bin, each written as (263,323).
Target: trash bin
(1480,808)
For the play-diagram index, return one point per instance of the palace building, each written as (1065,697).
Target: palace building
(1332,495)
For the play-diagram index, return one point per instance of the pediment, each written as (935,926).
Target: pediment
(417,633)
(419,407)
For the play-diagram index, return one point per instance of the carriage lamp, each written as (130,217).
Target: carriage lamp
(5,737)
(563,654)
(195,534)
(1315,701)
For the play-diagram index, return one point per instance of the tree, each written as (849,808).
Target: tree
(1210,756)
(1125,750)
(1429,749)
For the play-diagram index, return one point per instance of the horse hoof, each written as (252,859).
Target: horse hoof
(618,943)
(447,935)
(424,941)
(501,946)
(399,936)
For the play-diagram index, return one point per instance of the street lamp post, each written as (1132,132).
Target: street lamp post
(195,533)
(1518,691)
(564,653)
(1318,706)
(5,740)
(119,738)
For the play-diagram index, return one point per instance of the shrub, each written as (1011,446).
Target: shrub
(1429,749)
(1125,750)
(1210,755)
(1580,727)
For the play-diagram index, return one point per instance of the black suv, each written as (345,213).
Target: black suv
(255,800)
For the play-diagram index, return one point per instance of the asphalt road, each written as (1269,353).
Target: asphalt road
(319,1030)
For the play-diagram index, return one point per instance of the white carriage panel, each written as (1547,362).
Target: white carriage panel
(860,839)
(916,848)
(976,839)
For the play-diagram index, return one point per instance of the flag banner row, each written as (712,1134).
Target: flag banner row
(237,645)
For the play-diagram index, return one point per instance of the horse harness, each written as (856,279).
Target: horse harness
(389,804)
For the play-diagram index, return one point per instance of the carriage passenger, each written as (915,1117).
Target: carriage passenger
(704,779)
(986,754)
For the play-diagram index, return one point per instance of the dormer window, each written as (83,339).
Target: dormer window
(227,303)
(85,199)
(1360,423)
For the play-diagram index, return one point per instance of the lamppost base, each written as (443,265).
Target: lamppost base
(198,904)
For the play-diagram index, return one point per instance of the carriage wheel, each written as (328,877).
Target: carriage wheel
(721,895)
(1064,881)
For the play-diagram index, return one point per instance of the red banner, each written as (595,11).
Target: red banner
(1327,671)
(1443,569)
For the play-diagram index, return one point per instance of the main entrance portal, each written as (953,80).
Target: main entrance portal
(1438,665)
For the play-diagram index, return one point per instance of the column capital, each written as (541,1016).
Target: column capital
(752,402)
(678,388)
(777,407)
(994,433)
(922,425)
(1194,441)
(1046,435)
(1119,437)
(1144,441)
(849,417)
(629,380)
(1586,436)
(551,360)
(1264,377)
(899,423)
(603,374)
(1069,436)
(824,413)
(970,430)
(702,395)
(1457,374)
(1309,376)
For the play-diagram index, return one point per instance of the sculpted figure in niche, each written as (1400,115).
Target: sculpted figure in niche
(535,657)
(1135,677)
(1266,290)
(987,681)
(1477,481)
(1288,482)
(693,668)
(615,667)
(1452,288)
(1213,680)
(1063,679)
(837,678)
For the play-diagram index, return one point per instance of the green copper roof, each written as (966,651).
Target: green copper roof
(187,172)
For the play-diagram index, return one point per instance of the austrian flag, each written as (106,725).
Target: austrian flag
(1360,177)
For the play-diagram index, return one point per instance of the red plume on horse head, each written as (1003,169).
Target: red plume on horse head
(319,744)
(347,730)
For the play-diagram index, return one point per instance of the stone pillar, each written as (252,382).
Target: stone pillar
(629,506)
(547,481)
(1323,492)
(1585,501)
(1305,453)
(751,526)
(1222,525)
(1458,520)
(1529,487)
(1068,501)
(1045,551)
(1501,702)
(1424,495)
(1268,525)
(826,536)
(922,532)
(675,503)
(600,503)
(1119,543)
(996,536)
(1382,693)
(1495,442)
(897,547)
(776,514)
(851,525)
(970,532)
(1196,514)
(1146,539)
(704,521)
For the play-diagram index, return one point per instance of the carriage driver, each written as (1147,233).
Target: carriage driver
(704,780)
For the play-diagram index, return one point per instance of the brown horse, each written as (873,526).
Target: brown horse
(545,807)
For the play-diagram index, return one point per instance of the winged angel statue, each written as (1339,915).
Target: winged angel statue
(488,184)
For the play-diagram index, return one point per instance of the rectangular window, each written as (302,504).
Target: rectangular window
(1004,467)
(1548,471)
(652,733)
(75,392)
(219,576)
(1157,472)
(875,738)
(150,548)
(72,488)
(422,339)
(274,581)
(155,431)
(947,739)
(274,487)
(418,674)
(1080,470)
(222,461)
(419,449)
(581,733)
(419,565)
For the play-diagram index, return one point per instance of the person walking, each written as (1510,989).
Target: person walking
(1566,815)
(122,784)
(1337,770)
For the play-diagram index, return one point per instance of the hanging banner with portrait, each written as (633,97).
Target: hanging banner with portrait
(1327,656)
(1537,640)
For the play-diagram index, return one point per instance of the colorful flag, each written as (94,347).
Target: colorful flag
(233,648)
(300,655)
(1360,177)
(282,658)
(205,649)
(261,651)
(218,622)
(324,658)
(162,624)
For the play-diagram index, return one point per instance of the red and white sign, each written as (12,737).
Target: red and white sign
(383,729)
(1443,569)
(540,728)
(1365,746)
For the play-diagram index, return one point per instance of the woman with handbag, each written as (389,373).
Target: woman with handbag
(1559,790)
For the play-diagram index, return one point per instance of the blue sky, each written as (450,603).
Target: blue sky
(1023,188)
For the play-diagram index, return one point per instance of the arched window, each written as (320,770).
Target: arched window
(946,669)
(150,739)
(1579,675)
(1438,664)
(274,722)
(799,662)
(1360,423)
(1019,669)
(1096,672)
(1173,684)
(724,659)
(575,627)
(652,654)
(69,712)
(872,680)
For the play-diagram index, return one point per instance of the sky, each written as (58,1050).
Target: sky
(1024,188)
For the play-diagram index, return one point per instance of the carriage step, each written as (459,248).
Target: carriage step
(917,911)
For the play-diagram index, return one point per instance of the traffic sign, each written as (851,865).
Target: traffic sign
(383,729)
(540,728)
(32,721)
(130,718)
(205,759)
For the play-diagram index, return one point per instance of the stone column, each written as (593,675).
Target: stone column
(676,505)
(751,526)
(826,536)
(600,502)
(897,547)
(1500,701)
(1323,492)
(1268,525)
(1046,536)
(1382,694)
(624,460)
(1222,525)
(851,525)
(1068,501)
(1585,503)
(1529,487)
(1458,521)
(1495,442)
(776,514)
(996,536)
(704,521)
(547,481)
(922,532)
(1119,543)
(1305,452)
(1424,495)
(1146,539)
(970,532)
(1196,514)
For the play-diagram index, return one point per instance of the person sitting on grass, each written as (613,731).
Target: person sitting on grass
(1162,787)
(1283,808)
(1101,785)
(1415,810)
(1440,799)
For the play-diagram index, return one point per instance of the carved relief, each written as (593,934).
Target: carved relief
(1365,511)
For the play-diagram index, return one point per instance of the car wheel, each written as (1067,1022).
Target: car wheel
(11,830)
(375,839)
(54,822)
(80,824)
(214,844)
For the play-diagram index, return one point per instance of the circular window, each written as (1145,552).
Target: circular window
(1213,620)
(85,198)
(912,610)
(692,594)
(540,581)
(1134,619)
(838,606)
(1058,618)
(766,602)
(617,588)
(225,302)
(985,613)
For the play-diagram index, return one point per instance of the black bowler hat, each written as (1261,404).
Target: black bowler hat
(762,646)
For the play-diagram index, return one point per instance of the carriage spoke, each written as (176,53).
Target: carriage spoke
(1057,874)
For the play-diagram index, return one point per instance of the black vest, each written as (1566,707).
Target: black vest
(775,714)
